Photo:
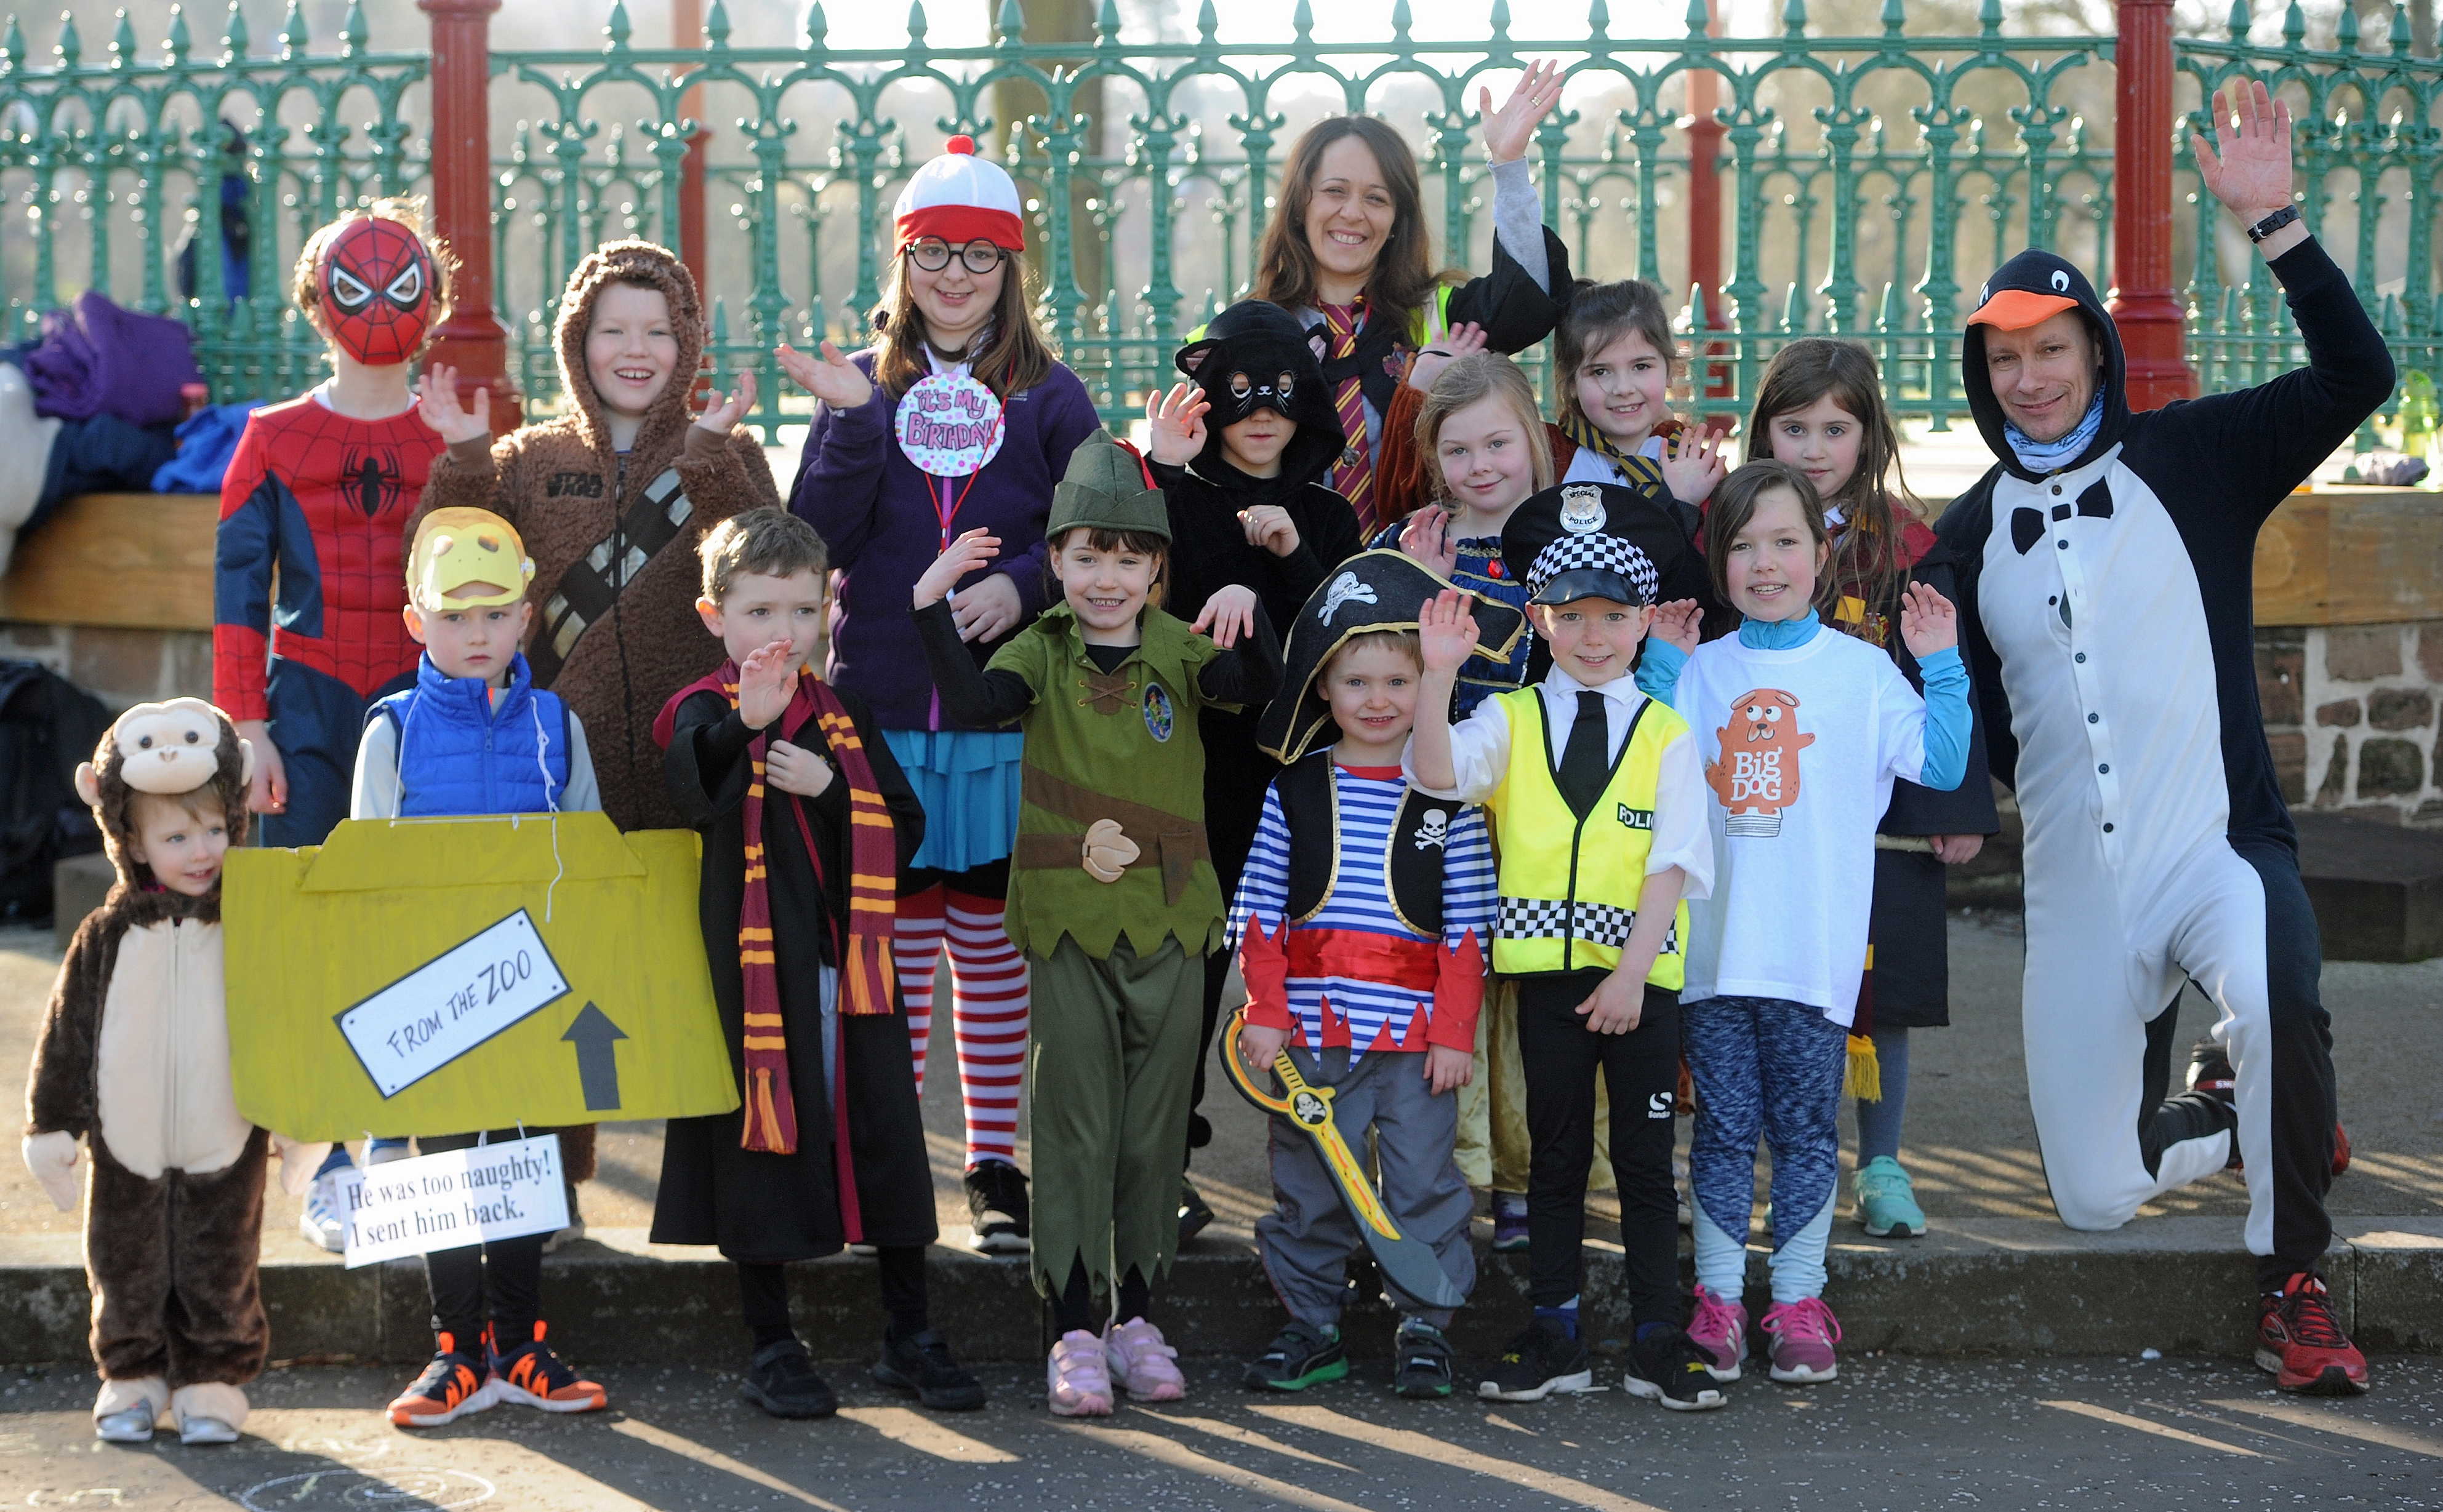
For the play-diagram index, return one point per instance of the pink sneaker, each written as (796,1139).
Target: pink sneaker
(1721,1329)
(1075,1379)
(1142,1364)
(1803,1336)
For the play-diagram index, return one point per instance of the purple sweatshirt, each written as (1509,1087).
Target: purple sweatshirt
(877,513)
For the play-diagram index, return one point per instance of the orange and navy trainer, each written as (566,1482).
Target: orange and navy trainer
(2302,1343)
(455,1384)
(534,1375)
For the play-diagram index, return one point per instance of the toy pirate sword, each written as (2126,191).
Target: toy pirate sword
(1405,1263)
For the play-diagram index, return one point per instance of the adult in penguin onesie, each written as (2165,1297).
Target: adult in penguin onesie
(2106,598)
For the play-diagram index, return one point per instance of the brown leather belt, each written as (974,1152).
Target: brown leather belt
(1162,839)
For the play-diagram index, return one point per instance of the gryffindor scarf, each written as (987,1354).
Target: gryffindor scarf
(864,955)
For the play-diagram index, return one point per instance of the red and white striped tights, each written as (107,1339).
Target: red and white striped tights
(989,1001)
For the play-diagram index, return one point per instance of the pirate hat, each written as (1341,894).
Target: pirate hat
(1663,530)
(1254,356)
(1373,591)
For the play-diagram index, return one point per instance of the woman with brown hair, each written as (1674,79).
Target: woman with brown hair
(956,418)
(1349,254)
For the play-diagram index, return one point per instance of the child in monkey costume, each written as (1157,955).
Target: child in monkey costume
(134,1057)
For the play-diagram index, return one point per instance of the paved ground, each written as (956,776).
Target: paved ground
(1892,1433)
(1972,1142)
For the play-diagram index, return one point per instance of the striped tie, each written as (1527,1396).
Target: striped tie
(1352,476)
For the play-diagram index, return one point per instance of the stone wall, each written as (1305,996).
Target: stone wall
(120,667)
(2350,713)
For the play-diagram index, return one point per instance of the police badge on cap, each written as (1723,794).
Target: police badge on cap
(1582,509)
(1373,591)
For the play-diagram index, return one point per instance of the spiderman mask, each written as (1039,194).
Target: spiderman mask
(376,284)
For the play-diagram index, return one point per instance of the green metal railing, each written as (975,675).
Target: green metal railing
(2365,137)
(1843,226)
(1868,182)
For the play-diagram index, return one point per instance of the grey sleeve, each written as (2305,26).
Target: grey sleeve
(1518,220)
(584,796)
(375,792)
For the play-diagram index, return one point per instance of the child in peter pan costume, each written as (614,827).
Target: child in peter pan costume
(1112,894)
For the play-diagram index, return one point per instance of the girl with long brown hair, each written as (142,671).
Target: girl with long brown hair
(1348,252)
(1821,410)
(956,418)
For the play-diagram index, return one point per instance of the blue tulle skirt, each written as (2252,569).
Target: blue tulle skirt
(968,782)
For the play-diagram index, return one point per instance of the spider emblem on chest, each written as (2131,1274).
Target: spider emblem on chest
(371,481)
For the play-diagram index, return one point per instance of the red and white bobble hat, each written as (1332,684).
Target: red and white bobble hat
(960,198)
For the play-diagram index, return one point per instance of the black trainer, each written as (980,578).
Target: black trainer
(1541,1360)
(921,1366)
(2211,1073)
(1300,1357)
(781,1381)
(997,1208)
(1670,1369)
(1194,1211)
(1425,1360)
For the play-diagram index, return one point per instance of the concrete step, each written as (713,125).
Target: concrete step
(2006,1286)
(2376,888)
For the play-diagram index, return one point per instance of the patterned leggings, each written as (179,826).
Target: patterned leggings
(1764,1067)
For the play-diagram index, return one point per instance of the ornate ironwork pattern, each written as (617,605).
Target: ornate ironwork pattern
(1868,181)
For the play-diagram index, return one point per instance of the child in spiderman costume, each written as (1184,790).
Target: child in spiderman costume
(321,487)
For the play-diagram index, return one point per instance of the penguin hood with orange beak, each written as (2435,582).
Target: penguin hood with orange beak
(2028,289)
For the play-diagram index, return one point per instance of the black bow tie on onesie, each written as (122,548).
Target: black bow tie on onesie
(2028,526)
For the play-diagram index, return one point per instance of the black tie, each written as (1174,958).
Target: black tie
(1585,765)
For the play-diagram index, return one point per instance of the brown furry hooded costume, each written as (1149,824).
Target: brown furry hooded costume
(133,1059)
(617,650)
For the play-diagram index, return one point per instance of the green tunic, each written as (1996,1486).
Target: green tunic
(1121,746)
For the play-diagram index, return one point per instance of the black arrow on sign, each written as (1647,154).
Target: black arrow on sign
(598,1065)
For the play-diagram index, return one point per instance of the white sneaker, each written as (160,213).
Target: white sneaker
(133,1425)
(321,1222)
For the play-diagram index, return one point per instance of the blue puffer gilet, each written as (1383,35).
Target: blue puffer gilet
(461,754)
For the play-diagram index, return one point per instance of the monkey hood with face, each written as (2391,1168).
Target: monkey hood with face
(2105,612)
(133,1059)
(167,750)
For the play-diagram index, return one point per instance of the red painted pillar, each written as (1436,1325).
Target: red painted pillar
(472,339)
(686,30)
(1705,210)
(2144,304)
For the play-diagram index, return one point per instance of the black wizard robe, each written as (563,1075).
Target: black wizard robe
(760,1207)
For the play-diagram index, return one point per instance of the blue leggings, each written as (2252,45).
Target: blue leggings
(1764,1067)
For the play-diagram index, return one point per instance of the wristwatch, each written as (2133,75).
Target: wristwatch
(2273,223)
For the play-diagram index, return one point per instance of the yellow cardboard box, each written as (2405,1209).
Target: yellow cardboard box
(441,975)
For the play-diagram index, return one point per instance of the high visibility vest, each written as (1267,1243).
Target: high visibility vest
(1569,886)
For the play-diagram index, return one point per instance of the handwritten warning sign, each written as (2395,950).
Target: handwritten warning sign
(454,1199)
(948,425)
(453,1002)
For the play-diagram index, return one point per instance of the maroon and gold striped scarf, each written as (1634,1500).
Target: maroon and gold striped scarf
(866,975)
